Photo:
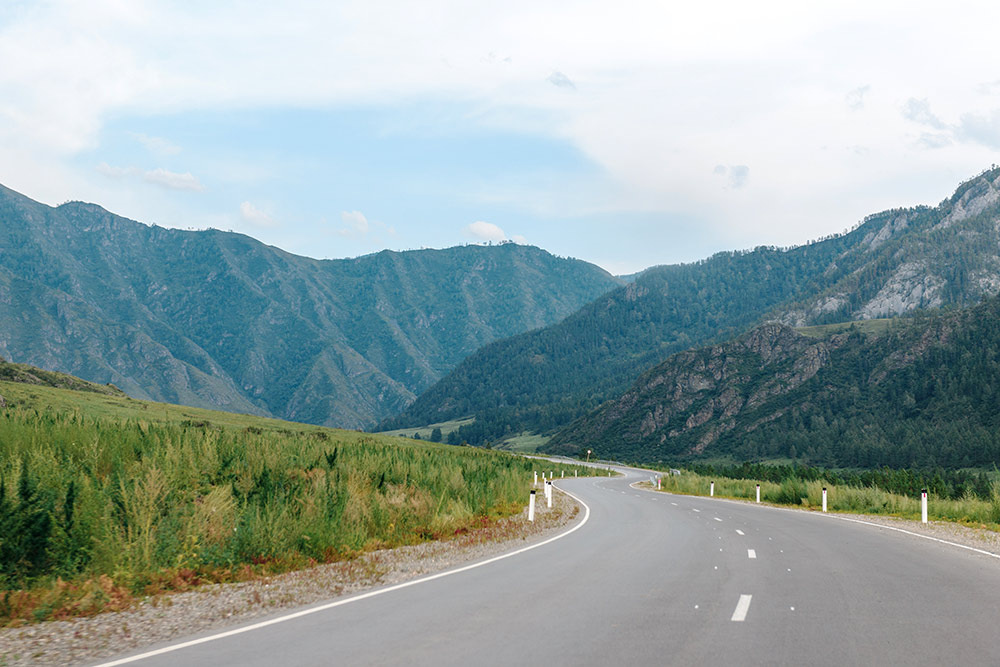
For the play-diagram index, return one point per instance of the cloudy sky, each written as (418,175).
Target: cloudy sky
(624,133)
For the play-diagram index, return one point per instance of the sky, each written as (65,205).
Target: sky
(624,133)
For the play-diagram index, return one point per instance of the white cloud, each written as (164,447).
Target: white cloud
(356,225)
(485,231)
(173,180)
(161,177)
(518,239)
(356,221)
(256,216)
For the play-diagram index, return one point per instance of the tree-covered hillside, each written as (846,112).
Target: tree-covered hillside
(921,391)
(894,262)
(218,319)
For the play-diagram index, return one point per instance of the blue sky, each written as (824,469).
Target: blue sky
(628,134)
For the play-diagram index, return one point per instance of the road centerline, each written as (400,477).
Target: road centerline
(742,607)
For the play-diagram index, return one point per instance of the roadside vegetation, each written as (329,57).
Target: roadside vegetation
(104,498)
(968,498)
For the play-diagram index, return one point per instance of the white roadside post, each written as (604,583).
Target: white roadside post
(659,483)
(824,498)
(575,473)
(923,505)
(536,479)
(711,489)
(531,506)
(758,493)
(550,495)
(562,473)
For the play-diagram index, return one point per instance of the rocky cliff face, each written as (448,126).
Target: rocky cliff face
(696,396)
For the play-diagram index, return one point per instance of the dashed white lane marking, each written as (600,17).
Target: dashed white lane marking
(740,532)
(751,553)
(717,518)
(696,510)
(742,607)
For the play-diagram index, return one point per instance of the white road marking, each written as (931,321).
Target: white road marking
(751,553)
(356,598)
(697,510)
(740,532)
(674,504)
(717,518)
(742,607)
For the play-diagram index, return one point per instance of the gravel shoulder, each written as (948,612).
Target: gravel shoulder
(222,606)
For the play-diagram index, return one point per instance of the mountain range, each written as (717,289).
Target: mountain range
(894,262)
(219,320)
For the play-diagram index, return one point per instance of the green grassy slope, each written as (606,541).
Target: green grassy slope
(121,497)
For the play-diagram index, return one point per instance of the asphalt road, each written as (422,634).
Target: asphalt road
(656,578)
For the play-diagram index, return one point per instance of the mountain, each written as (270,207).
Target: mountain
(894,262)
(216,319)
(916,391)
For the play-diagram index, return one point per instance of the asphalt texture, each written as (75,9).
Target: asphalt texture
(658,578)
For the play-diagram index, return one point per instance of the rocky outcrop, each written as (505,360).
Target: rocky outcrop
(699,395)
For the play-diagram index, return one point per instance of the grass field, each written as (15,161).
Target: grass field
(104,498)
(424,432)
(526,443)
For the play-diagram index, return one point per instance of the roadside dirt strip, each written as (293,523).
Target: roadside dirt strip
(220,607)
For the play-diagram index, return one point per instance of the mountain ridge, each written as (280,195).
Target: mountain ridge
(217,319)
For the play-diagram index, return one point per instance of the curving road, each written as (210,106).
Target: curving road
(671,579)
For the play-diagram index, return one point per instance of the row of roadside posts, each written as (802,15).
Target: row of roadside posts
(659,486)
(923,499)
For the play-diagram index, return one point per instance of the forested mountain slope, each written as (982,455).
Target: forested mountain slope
(894,262)
(220,320)
(922,391)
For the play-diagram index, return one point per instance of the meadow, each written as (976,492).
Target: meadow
(104,498)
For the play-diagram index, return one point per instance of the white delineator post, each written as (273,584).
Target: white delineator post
(562,473)
(923,505)
(536,479)
(824,498)
(531,506)
(659,483)
(575,473)
(711,489)
(549,494)
(758,493)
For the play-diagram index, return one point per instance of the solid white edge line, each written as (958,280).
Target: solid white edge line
(356,598)
(910,532)
(742,607)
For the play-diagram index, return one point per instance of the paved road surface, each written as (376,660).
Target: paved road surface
(660,579)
